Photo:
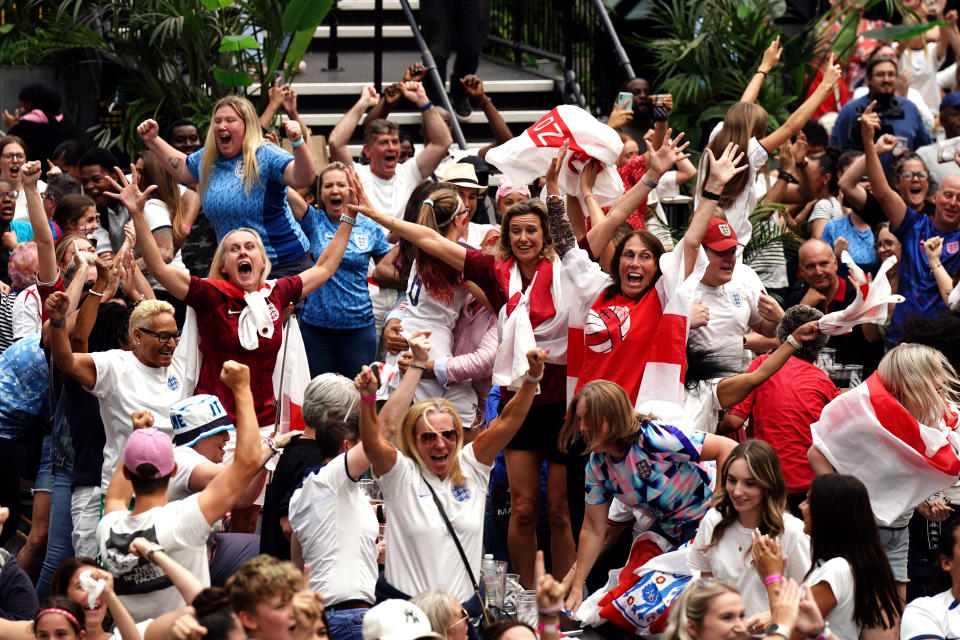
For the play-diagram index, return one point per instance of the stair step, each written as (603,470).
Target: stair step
(490,87)
(356,31)
(368,5)
(415,117)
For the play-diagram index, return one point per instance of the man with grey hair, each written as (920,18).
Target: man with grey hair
(782,409)
(330,404)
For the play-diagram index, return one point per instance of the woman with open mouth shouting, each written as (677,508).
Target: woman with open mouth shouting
(434,488)
(243,179)
(13,155)
(239,313)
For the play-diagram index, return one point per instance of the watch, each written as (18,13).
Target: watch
(778,630)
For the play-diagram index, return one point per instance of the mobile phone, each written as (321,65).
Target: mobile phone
(375,369)
(278,75)
(625,100)
(659,99)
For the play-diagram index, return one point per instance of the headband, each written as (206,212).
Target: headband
(66,614)
(507,188)
(460,209)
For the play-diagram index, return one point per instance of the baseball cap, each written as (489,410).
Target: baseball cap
(462,174)
(198,417)
(950,100)
(720,236)
(397,620)
(149,446)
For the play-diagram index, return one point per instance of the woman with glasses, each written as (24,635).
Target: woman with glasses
(428,479)
(13,155)
(447,616)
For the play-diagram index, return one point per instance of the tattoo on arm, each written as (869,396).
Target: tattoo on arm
(560,228)
(175,163)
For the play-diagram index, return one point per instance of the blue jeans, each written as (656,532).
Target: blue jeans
(342,351)
(59,543)
(346,624)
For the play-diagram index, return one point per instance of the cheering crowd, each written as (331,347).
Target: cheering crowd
(487,339)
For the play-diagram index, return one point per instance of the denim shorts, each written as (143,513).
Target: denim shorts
(45,473)
(896,543)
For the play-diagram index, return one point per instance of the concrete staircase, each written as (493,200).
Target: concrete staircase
(324,95)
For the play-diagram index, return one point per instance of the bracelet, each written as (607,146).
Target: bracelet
(152,550)
(530,378)
(99,294)
(796,345)
(486,100)
(418,366)
(710,195)
(787,177)
(589,195)
(368,398)
(554,197)
(775,577)
(426,106)
(58,324)
(548,628)
(761,71)
(550,611)
(824,633)
(646,180)
(350,220)
(939,264)
(273,445)
(297,143)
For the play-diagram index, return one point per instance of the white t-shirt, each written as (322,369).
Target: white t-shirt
(21,213)
(701,407)
(730,558)
(338,532)
(111,239)
(825,209)
(26,313)
(420,551)
(158,217)
(931,617)
(836,573)
(141,629)
(180,528)
(733,310)
(390,196)
(125,385)
(923,64)
(187,460)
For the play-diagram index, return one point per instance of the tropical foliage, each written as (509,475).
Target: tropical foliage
(170,58)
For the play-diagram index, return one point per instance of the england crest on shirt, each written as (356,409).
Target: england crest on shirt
(362,241)
(737,298)
(461,493)
(952,247)
(274,313)
(173,382)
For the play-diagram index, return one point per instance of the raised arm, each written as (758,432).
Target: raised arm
(42,235)
(222,492)
(488,445)
(301,172)
(770,59)
(722,170)
(175,281)
(326,265)
(382,454)
(890,201)
(276,95)
(932,247)
(498,126)
(424,237)
(437,134)
(731,391)
(392,412)
(87,315)
(803,113)
(392,93)
(79,366)
(174,161)
(341,133)
(659,162)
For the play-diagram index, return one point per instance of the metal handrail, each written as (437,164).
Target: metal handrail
(615,40)
(431,66)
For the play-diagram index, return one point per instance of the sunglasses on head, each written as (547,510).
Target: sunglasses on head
(429,437)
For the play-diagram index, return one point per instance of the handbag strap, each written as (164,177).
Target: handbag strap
(456,541)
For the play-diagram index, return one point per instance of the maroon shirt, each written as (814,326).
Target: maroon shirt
(218,321)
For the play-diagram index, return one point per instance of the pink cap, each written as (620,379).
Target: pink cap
(149,446)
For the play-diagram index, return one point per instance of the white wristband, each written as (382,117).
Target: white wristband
(793,342)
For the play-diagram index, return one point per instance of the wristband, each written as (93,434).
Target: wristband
(350,220)
(589,195)
(368,398)
(58,324)
(530,378)
(762,72)
(426,106)
(273,445)
(777,629)
(646,180)
(796,345)
(788,178)
(548,628)
(297,143)
(554,197)
(418,366)
(824,633)
(99,294)
(774,578)
(550,611)
(710,195)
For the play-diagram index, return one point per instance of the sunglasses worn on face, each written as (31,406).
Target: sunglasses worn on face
(163,336)
(12,195)
(463,616)
(429,437)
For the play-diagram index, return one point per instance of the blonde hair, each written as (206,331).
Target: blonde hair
(216,265)
(693,605)
(252,139)
(407,441)
(606,402)
(435,603)
(921,379)
(168,192)
(503,250)
(146,311)
(260,578)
